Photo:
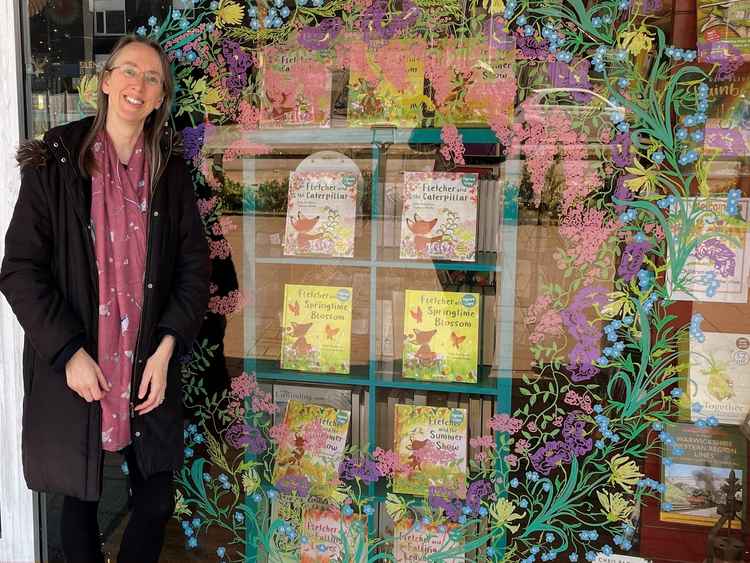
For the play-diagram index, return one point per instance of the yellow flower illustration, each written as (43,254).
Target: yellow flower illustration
(624,472)
(396,507)
(503,513)
(644,177)
(250,481)
(637,40)
(229,13)
(615,506)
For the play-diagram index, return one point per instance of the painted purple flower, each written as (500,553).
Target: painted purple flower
(377,26)
(632,259)
(549,456)
(321,36)
(478,491)
(362,468)
(724,258)
(587,348)
(651,6)
(620,150)
(574,433)
(563,75)
(622,192)
(241,435)
(443,498)
(728,58)
(531,48)
(497,37)
(293,484)
(193,139)
(238,61)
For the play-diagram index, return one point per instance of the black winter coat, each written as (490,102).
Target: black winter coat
(50,279)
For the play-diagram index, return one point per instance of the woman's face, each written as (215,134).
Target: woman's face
(134,84)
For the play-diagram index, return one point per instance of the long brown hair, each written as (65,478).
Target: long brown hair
(153,128)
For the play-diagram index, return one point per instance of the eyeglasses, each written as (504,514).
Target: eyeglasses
(153,79)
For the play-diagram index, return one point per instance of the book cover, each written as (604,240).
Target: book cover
(727,131)
(413,544)
(726,260)
(431,446)
(332,537)
(313,446)
(375,99)
(439,218)
(316,328)
(296,87)
(725,21)
(321,214)
(696,479)
(321,396)
(719,368)
(441,335)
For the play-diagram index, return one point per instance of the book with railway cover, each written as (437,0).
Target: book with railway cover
(316,328)
(697,481)
(320,215)
(439,217)
(431,446)
(441,335)
(719,383)
(311,447)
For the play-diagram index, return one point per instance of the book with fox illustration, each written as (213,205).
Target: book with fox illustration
(320,215)
(316,328)
(296,86)
(439,217)
(386,86)
(431,446)
(441,335)
(311,447)
(415,543)
(719,377)
(332,537)
(697,479)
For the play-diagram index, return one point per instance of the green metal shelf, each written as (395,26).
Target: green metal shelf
(389,377)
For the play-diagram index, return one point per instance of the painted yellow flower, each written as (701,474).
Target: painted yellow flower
(87,90)
(180,508)
(615,506)
(250,481)
(229,13)
(644,177)
(619,304)
(637,40)
(503,513)
(396,507)
(624,472)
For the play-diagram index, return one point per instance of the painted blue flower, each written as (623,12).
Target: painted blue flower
(549,537)
(257,497)
(221,552)
(141,31)
(152,21)
(367,509)
(176,15)
(523,503)
(514,482)
(666,506)
(188,452)
(534,549)
(196,523)
(546,486)
(239,516)
(192,542)
(573,557)
(272,493)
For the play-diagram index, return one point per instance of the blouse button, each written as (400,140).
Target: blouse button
(150,286)
(63,160)
(137,434)
(55,145)
(156,213)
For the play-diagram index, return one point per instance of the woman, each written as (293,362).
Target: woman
(106,268)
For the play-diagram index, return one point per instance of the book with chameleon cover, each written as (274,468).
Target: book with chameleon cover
(431,446)
(331,536)
(312,447)
(316,328)
(321,213)
(719,368)
(413,544)
(441,335)
(439,217)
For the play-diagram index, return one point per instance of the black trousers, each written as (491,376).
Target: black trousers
(151,506)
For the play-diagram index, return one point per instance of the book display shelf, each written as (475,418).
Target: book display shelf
(378,279)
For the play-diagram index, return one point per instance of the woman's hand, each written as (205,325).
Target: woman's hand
(154,381)
(84,377)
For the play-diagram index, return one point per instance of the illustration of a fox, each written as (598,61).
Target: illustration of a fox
(299,331)
(421,228)
(422,338)
(415,463)
(304,227)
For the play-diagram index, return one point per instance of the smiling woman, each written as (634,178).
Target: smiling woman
(106,268)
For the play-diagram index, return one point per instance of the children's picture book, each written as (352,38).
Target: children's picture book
(316,328)
(431,446)
(720,377)
(725,23)
(415,542)
(321,214)
(310,448)
(725,259)
(386,85)
(296,86)
(324,396)
(441,335)
(331,537)
(697,481)
(439,217)
(727,133)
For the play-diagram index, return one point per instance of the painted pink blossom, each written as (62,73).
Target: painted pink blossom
(531,426)
(522,446)
(244,385)
(453,145)
(512,460)
(388,463)
(430,453)
(505,423)
(483,442)
(315,436)
(281,434)
(262,402)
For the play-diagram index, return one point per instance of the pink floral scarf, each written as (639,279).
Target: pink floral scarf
(119,215)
